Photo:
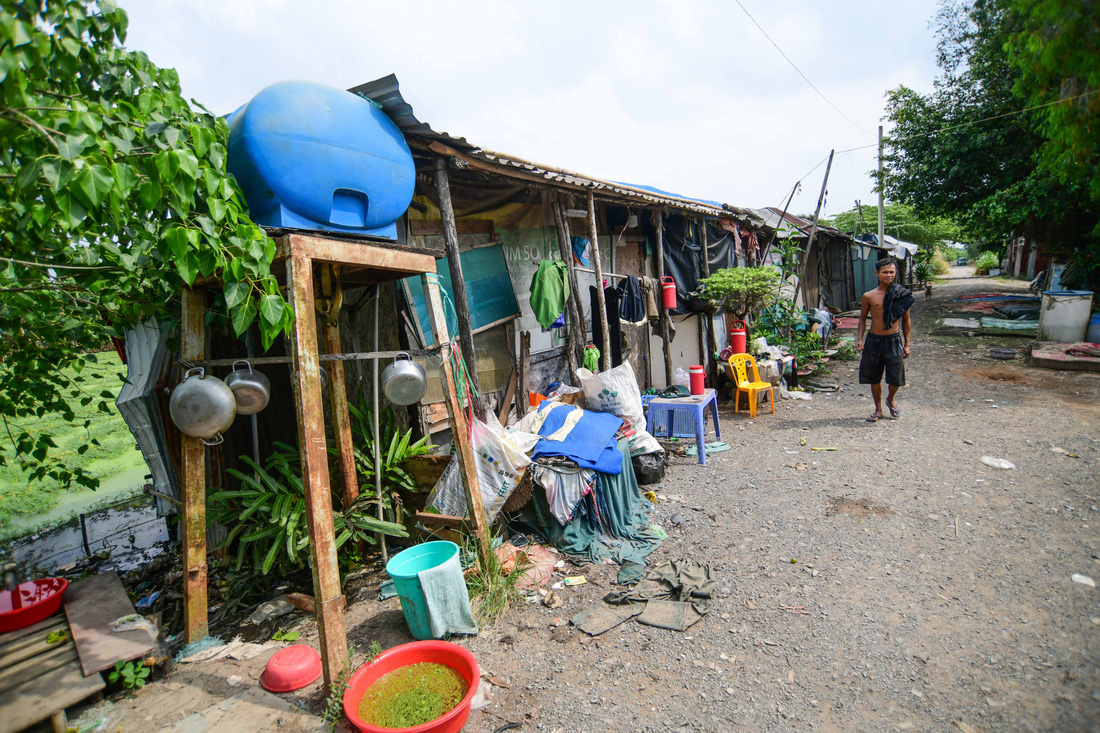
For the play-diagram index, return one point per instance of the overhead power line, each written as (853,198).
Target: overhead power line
(820,94)
(969,124)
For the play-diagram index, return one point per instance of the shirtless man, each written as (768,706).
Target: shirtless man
(887,346)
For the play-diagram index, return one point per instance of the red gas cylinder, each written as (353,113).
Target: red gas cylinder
(739,331)
(696,375)
(668,292)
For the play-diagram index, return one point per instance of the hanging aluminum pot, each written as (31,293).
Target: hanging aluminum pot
(202,406)
(251,389)
(404,381)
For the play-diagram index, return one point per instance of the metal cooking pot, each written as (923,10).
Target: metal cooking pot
(252,389)
(404,381)
(202,406)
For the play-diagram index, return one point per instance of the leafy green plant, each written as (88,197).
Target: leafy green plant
(741,290)
(131,674)
(986,262)
(285,636)
(334,703)
(396,448)
(925,272)
(55,637)
(114,194)
(492,590)
(268,514)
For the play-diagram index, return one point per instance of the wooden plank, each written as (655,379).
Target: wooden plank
(397,262)
(523,396)
(426,471)
(440,520)
(193,482)
(577,328)
(8,640)
(15,674)
(434,227)
(37,645)
(92,606)
(506,406)
(341,417)
(315,476)
(659,254)
(38,699)
(459,425)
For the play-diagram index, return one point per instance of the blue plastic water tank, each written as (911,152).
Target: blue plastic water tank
(308,156)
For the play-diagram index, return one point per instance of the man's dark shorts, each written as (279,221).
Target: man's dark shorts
(883,353)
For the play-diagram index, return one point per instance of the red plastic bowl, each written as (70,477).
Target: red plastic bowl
(37,600)
(291,669)
(440,652)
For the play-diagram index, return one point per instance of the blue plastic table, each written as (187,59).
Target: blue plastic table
(696,405)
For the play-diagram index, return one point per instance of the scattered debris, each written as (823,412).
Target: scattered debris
(1062,451)
(998,463)
(1084,580)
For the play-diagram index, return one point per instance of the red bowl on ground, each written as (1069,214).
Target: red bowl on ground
(440,652)
(34,601)
(291,669)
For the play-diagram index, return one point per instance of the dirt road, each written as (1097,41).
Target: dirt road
(936,591)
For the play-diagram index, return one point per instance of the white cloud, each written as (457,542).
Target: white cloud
(686,96)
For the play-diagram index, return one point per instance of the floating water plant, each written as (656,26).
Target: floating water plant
(412,695)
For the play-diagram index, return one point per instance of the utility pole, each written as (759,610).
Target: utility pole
(881,206)
(813,233)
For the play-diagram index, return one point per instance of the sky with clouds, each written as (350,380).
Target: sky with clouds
(687,96)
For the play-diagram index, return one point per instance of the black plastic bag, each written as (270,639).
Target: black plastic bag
(649,468)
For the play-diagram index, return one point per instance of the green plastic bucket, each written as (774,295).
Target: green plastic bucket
(403,568)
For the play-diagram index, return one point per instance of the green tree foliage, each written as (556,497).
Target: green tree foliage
(966,151)
(900,221)
(113,194)
(741,290)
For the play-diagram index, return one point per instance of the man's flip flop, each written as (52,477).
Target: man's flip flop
(874,417)
(894,412)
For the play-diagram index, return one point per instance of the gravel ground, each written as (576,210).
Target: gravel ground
(937,591)
(896,583)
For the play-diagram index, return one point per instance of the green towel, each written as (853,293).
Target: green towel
(448,600)
(549,291)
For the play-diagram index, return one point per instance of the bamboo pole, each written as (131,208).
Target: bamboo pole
(813,235)
(658,217)
(577,327)
(606,346)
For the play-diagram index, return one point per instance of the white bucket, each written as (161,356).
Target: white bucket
(1064,315)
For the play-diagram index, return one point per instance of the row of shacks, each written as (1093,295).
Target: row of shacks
(484,221)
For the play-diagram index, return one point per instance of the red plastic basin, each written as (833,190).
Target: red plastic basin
(440,652)
(291,669)
(30,603)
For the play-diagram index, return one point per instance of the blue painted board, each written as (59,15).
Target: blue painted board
(492,299)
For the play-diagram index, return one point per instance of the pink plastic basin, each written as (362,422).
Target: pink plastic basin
(30,603)
(291,669)
(440,652)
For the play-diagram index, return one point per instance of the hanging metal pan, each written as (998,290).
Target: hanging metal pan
(252,389)
(404,381)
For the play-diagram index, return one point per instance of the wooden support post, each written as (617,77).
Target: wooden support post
(341,416)
(464,452)
(578,330)
(605,347)
(458,285)
(193,470)
(658,221)
(708,345)
(813,235)
(523,394)
(329,599)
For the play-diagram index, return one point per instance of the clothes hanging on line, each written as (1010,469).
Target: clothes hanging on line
(632,308)
(549,290)
(614,330)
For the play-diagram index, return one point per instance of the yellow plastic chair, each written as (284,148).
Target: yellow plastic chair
(740,363)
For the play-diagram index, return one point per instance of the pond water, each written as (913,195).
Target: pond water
(132,533)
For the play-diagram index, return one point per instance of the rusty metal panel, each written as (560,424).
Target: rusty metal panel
(193,480)
(311,436)
(459,425)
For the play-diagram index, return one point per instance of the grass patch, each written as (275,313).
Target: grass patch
(116,462)
(492,589)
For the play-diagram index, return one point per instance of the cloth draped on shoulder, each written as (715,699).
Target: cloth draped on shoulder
(895,303)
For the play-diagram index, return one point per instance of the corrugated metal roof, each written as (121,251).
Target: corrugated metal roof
(386,93)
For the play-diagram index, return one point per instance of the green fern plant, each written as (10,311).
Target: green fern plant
(268,515)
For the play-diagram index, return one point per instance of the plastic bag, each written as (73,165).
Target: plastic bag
(680,377)
(649,468)
(499,465)
(615,391)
